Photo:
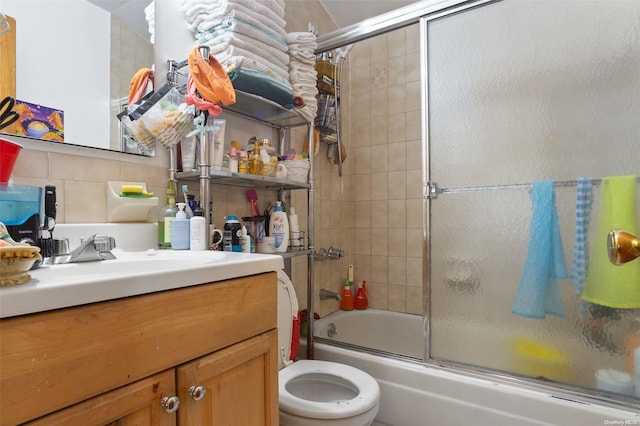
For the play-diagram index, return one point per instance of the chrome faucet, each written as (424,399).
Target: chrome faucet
(331,254)
(622,246)
(328,294)
(95,248)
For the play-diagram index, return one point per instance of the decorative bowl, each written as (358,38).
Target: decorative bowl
(15,261)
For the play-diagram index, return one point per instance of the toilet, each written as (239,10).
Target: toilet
(313,392)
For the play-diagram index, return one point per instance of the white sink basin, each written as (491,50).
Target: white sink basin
(130,274)
(129,264)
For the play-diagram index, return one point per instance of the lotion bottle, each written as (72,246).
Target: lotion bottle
(279,228)
(198,230)
(180,229)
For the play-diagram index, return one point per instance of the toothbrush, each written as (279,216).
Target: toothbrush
(187,209)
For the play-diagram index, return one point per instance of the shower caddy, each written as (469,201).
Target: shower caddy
(264,111)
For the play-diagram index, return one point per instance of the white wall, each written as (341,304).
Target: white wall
(65,36)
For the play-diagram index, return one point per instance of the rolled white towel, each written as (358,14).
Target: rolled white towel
(300,37)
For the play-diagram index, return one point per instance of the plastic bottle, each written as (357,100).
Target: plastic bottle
(166,216)
(346,301)
(279,228)
(243,162)
(245,240)
(361,301)
(294,229)
(198,230)
(180,229)
(233,160)
(231,234)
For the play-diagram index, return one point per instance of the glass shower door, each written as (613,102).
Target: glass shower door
(520,92)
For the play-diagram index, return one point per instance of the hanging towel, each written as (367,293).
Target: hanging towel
(538,293)
(580,248)
(607,284)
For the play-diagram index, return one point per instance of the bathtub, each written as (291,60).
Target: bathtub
(413,394)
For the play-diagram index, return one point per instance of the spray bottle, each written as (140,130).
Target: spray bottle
(361,301)
(346,301)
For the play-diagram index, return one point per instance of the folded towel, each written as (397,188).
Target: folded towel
(277,6)
(222,42)
(607,284)
(235,25)
(204,11)
(234,57)
(538,293)
(580,247)
(300,37)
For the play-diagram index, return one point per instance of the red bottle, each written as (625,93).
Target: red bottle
(361,301)
(346,301)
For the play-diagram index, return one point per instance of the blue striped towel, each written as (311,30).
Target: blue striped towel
(580,247)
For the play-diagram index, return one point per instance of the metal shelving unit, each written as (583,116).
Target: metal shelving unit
(264,111)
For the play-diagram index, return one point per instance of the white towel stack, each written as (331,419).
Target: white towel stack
(302,71)
(242,34)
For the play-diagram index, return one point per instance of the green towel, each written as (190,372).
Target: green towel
(608,284)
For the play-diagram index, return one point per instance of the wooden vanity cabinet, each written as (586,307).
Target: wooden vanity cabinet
(214,346)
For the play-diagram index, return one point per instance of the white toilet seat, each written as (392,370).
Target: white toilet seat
(368,391)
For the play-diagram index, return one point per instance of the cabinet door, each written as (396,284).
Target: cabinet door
(241,384)
(137,404)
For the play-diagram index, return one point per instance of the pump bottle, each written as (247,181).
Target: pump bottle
(198,230)
(180,229)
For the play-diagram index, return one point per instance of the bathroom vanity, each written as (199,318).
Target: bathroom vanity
(189,355)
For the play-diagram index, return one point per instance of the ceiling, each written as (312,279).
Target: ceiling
(347,12)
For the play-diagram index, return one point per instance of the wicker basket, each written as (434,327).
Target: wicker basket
(297,170)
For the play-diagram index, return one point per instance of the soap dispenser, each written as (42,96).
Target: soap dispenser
(180,229)
(346,301)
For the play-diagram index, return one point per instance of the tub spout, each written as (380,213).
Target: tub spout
(328,294)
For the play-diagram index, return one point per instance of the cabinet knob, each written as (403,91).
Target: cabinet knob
(170,404)
(197,392)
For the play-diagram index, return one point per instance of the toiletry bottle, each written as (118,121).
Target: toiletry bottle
(325,71)
(243,162)
(346,301)
(245,240)
(279,228)
(233,160)
(166,216)
(361,301)
(294,230)
(198,230)
(231,234)
(256,165)
(180,229)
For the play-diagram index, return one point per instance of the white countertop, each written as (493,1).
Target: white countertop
(131,274)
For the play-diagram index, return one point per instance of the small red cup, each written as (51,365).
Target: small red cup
(8,154)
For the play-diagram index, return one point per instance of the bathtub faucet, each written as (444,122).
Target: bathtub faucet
(328,294)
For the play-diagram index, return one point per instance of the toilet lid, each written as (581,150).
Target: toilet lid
(287,312)
(367,398)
